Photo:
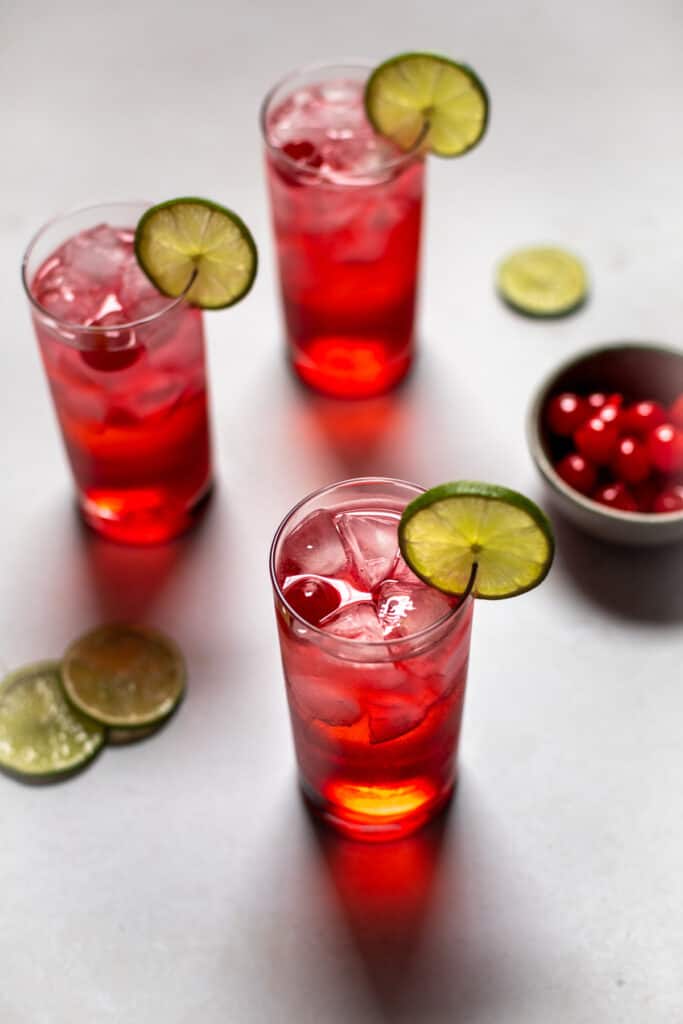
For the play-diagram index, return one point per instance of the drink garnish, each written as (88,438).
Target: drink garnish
(542,281)
(447,531)
(196,247)
(42,737)
(427,102)
(126,677)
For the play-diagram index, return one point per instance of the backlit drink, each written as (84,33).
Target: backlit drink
(346,209)
(126,369)
(375,661)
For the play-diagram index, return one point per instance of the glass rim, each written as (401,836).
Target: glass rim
(413,639)
(89,330)
(352,63)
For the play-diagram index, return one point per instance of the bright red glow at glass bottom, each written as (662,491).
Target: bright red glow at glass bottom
(378,813)
(351,367)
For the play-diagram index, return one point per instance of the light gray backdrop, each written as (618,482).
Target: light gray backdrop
(180,881)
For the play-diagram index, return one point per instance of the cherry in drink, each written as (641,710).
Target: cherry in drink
(346,208)
(375,662)
(126,369)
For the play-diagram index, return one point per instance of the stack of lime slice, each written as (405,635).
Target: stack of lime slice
(114,684)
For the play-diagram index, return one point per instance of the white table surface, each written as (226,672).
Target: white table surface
(180,880)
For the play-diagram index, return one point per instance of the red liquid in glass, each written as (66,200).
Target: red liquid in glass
(346,212)
(376,729)
(133,405)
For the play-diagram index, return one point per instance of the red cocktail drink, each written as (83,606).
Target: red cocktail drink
(375,662)
(126,369)
(346,209)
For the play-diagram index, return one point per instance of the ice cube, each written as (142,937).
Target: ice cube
(99,254)
(315,697)
(406,608)
(314,547)
(401,571)
(138,295)
(68,296)
(159,397)
(371,542)
(356,621)
(393,716)
(76,394)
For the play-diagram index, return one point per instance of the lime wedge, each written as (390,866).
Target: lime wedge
(126,677)
(542,281)
(184,237)
(448,529)
(41,736)
(419,99)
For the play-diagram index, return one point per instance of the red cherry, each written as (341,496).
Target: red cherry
(565,413)
(642,417)
(611,411)
(303,152)
(631,462)
(676,412)
(596,400)
(313,599)
(578,472)
(110,354)
(665,447)
(616,496)
(108,361)
(597,440)
(669,500)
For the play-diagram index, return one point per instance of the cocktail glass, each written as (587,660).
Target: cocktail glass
(375,661)
(126,369)
(346,208)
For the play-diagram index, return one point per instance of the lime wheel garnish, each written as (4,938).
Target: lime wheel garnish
(421,100)
(450,529)
(196,247)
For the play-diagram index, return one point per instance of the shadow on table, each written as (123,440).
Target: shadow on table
(127,581)
(368,436)
(644,584)
(385,891)
(408,908)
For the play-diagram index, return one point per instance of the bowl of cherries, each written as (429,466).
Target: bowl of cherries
(605,431)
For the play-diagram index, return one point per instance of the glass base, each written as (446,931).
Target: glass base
(142,516)
(350,367)
(386,820)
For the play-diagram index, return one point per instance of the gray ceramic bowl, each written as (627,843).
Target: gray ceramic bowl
(637,371)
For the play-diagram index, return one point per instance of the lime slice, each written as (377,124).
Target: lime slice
(445,531)
(421,99)
(122,737)
(126,677)
(184,237)
(41,736)
(542,281)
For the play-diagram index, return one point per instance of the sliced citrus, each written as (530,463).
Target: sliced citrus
(122,737)
(194,240)
(42,737)
(447,530)
(542,281)
(126,677)
(423,100)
